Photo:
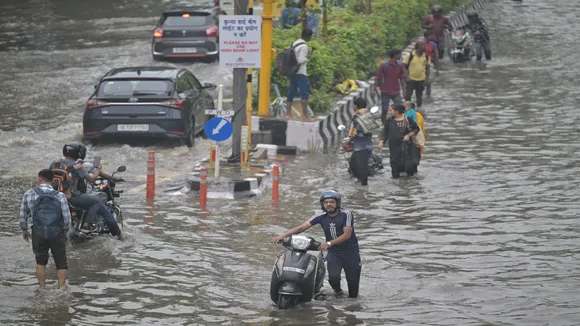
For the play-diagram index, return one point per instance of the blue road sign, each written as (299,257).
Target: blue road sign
(218,129)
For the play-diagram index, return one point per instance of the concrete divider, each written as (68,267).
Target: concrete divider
(322,135)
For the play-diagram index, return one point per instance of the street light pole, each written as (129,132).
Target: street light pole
(266,69)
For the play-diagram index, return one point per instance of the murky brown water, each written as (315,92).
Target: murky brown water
(485,235)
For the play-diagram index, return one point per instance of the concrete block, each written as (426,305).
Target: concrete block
(261,137)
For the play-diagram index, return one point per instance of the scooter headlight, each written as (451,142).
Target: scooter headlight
(300,243)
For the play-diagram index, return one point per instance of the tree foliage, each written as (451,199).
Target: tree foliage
(355,43)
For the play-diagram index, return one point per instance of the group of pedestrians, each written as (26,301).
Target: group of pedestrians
(403,125)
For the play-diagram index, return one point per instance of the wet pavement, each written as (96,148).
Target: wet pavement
(486,234)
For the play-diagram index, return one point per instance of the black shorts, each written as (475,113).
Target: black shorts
(57,246)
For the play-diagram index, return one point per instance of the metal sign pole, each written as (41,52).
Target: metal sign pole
(217,160)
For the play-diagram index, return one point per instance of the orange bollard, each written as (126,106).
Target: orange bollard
(203,188)
(150,178)
(275,181)
(212,155)
(151,155)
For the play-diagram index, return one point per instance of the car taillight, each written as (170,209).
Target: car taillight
(158,32)
(175,104)
(211,31)
(92,104)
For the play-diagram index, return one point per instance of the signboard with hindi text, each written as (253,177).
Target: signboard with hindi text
(240,41)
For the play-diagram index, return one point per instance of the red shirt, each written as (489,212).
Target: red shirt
(438,26)
(432,50)
(387,79)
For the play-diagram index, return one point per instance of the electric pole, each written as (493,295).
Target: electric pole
(239,94)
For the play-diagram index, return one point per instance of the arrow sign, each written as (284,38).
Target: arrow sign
(218,129)
(219,126)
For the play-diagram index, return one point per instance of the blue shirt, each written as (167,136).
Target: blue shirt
(411,113)
(333,227)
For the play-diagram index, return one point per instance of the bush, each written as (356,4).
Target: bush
(355,44)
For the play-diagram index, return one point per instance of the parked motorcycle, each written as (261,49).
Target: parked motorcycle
(105,190)
(297,275)
(461,49)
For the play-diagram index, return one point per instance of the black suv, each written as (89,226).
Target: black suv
(155,102)
(182,33)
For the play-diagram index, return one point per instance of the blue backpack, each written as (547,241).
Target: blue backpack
(47,214)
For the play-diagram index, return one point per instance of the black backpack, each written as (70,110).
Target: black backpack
(286,61)
(47,214)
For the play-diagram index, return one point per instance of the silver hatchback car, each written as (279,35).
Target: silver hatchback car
(182,33)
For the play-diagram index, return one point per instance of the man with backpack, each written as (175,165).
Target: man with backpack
(51,222)
(438,23)
(292,64)
(417,65)
(362,143)
(432,53)
(70,169)
(390,80)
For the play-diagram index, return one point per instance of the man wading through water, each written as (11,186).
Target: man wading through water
(362,143)
(417,65)
(342,243)
(50,226)
(438,23)
(390,80)
(432,50)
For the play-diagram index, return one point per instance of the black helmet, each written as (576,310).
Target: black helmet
(75,150)
(436,9)
(330,194)
(472,14)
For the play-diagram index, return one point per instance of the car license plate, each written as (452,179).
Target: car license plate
(184,50)
(133,127)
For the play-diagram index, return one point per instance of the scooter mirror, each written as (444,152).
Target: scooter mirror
(374,109)
(341,127)
(122,168)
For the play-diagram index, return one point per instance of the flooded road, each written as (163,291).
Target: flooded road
(485,235)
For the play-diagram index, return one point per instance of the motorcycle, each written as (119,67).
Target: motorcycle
(375,160)
(297,275)
(105,190)
(461,46)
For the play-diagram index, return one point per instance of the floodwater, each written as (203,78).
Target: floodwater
(486,234)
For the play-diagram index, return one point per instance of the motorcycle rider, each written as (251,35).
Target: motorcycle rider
(437,22)
(74,153)
(478,27)
(363,144)
(342,243)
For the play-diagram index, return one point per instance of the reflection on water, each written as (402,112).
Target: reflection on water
(485,234)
